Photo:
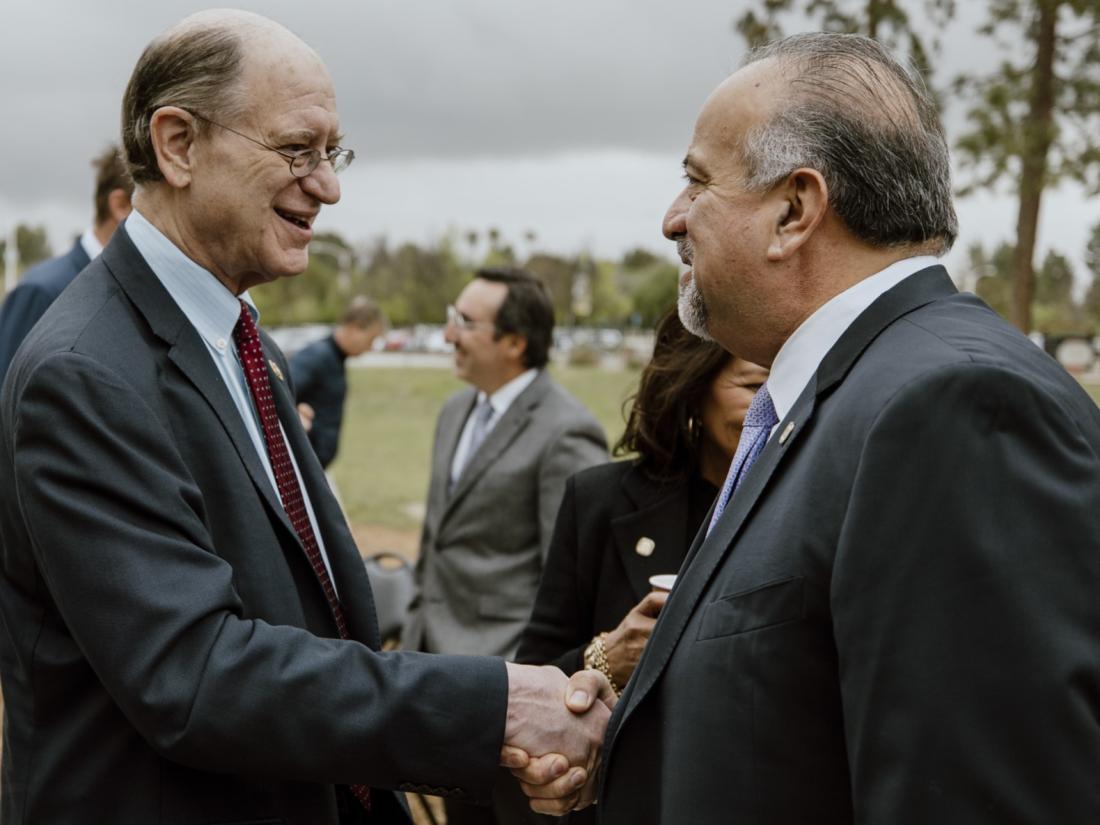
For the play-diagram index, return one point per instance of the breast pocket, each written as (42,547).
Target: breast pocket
(766,605)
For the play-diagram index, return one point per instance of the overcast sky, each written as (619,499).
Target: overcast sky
(567,118)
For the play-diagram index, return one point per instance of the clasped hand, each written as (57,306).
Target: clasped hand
(553,735)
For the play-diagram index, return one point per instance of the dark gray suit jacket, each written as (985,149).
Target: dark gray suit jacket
(896,621)
(167,654)
(483,545)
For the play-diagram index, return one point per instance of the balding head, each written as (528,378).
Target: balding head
(844,106)
(199,64)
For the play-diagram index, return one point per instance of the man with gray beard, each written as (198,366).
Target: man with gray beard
(892,616)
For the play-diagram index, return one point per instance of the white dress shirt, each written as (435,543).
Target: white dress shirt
(802,353)
(500,401)
(213,311)
(91,245)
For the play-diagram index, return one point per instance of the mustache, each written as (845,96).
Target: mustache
(685,249)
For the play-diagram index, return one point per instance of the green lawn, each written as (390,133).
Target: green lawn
(385,449)
(382,468)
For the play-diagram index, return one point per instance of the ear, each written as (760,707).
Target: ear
(118,204)
(515,345)
(800,205)
(173,134)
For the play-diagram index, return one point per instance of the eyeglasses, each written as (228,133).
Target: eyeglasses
(456,318)
(302,162)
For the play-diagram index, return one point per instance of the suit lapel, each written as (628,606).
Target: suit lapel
(708,553)
(501,437)
(661,518)
(348,572)
(189,354)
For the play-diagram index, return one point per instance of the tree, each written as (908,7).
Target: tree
(1056,313)
(1035,119)
(1091,307)
(993,281)
(888,21)
(32,244)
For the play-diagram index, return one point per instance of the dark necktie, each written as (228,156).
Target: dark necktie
(759,421)
(251,352)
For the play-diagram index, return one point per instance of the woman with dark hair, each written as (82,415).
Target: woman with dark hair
(622,522)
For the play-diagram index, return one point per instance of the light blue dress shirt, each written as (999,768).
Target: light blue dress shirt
(213,311)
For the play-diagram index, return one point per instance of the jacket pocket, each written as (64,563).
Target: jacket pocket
(763,606)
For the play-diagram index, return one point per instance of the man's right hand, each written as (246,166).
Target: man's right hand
(306,414)
(555,755)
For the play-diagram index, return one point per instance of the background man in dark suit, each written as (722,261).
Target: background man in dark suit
(189,634)
(42,283)
(320,374)
(894,616)
(503,450)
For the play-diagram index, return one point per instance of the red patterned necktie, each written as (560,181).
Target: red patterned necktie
(251,352)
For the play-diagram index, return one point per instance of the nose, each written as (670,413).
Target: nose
(675,223)
(322,184)
(450,333)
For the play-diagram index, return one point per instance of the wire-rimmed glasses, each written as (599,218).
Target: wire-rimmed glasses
(304,161)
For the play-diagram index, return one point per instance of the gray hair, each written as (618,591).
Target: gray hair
(869,125)
(196,67)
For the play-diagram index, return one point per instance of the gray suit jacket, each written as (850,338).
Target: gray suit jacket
(167,653)
(483,546)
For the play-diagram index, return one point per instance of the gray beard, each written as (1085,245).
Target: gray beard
(692,310)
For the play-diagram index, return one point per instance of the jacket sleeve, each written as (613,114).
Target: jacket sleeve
(964,598)
(118,531)
(560,625)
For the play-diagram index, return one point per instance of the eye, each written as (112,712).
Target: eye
(296,148)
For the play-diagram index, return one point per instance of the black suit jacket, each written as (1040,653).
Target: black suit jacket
(32,296)
(896,619)
(594,573)
(168,655)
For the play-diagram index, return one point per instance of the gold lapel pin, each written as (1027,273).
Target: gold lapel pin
(786,433)
(275,369)
(645,546)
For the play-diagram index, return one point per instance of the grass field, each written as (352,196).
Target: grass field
(382,468)
(383,465)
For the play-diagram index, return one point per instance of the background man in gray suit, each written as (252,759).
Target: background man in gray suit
(503,450)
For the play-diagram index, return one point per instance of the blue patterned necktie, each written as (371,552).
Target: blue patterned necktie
(759,421)
(482,415)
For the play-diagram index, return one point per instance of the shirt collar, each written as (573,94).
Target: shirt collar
(502,399)
(90,244)
(211,308)
(802,353)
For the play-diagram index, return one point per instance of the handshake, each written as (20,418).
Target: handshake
(553,735)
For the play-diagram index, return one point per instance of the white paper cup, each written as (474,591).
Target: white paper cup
(664,581)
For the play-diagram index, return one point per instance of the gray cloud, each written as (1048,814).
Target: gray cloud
(414,78)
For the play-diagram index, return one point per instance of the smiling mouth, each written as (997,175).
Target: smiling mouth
(294,219)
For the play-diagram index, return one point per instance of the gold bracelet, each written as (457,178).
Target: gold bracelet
(595,658)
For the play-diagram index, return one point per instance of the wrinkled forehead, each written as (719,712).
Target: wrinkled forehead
(283,75)
(742,101)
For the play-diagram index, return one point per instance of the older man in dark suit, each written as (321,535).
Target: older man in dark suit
(42,283)
(189,630)
(893,615)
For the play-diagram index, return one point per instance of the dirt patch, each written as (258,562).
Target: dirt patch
(373,539)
